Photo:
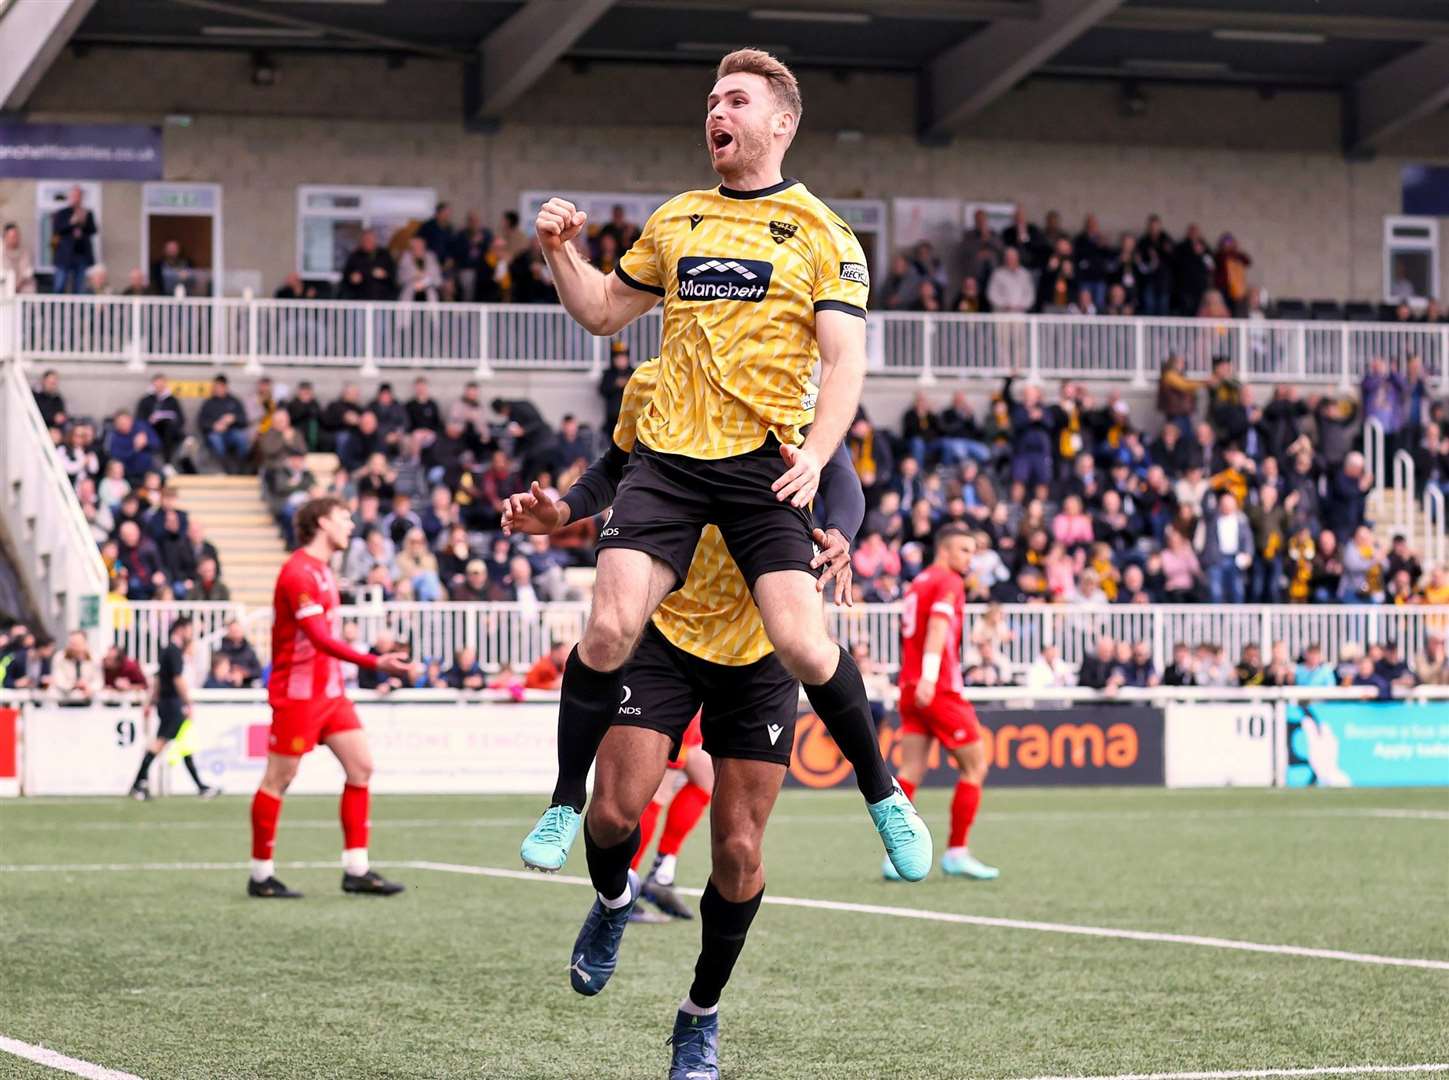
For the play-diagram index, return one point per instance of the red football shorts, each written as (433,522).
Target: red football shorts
(298,727)
(693,736)
(950,718)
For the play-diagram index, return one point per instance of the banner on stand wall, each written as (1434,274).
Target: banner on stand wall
(1221,745)
(1367,744)
(1082,745)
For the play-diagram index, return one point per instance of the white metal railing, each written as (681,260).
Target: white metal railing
(505,633)
(261,332)
(1404,484)
(56,554)
(1436,528)
(1373,455)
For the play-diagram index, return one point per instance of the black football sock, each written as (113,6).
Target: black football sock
(145,768)
(588,701)
(844,709)
(191,768)
(723,925)
(609,866)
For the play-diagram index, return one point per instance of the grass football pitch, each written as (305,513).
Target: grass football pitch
(128,943)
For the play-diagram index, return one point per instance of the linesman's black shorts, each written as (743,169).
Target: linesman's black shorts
(170,713)
(749,711)
(664,501)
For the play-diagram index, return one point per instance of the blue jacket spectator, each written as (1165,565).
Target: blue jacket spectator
(135,444)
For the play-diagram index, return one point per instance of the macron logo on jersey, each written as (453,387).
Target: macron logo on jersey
(724,279)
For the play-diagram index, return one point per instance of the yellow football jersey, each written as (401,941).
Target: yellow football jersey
(712,615)
(742,275)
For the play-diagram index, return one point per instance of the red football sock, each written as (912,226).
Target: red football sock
(354,816)
(963,811)
(684,815)
(265,811)
(908,787)
(647,821)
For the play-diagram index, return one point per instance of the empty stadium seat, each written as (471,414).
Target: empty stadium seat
(1290,309)
(1325,310)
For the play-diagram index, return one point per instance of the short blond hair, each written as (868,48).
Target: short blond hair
(781,78)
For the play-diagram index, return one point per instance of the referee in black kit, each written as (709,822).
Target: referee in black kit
(172,699)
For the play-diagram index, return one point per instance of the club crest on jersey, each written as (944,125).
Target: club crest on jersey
(722,278)
(780,231)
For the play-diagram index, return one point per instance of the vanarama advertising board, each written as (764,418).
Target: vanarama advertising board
(1089,745)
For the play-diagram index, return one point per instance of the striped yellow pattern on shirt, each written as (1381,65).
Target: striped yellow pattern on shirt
(742,276)
(712,616)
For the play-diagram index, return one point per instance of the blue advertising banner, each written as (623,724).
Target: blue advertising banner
(80,151)
(1368,744)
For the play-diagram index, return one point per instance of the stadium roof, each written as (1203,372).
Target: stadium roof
(1389,57)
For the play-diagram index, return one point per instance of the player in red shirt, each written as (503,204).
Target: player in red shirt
(933,702)
(308,705)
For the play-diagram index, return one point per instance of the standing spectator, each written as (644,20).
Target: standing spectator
(1177,394)
(471,245)
(15,262)
(1281,419)
(1125,272)
(1225,542)
(223,424)
(921,431)
(1337,420)
(71,229)
(1363,569)
(49,401)
(1093,257)
(438,235)
(624,231)
(171,271)
(1026,238)
(1011,290)
(902,284)
(980,250)
(533,442)
(1192,272)
(547,671)
(1269,519)
(369,273)
(1385,399)
(75,675)
(1155,252)
(236,648)
(163,412)
(1347,497)
(1231,274)
(1058,278)
(514,238)
(121,672)
(419,276)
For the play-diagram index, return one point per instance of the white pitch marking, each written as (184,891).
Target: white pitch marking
(52,1060)
(819,905)
(987,920)
(1249,1074)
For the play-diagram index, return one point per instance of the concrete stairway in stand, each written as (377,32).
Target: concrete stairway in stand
(1386,508)
(234,514)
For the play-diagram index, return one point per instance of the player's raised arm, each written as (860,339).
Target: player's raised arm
(602,303)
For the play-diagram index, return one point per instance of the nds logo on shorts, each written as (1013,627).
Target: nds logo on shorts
(625,709)
(724,279)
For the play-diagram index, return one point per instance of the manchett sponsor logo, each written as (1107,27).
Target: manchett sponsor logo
(724,279)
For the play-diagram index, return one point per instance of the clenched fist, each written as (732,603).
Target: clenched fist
(559,221)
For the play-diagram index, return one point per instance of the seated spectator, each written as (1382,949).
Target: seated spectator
(418,566)
(222,422)
(422,411)
(280,440)
(49,401)
(1249,671)
(164,414)
(340,419)
(220,675)
(137,553)
(474,586)
(1136,669)
(1048,670)
(113,487)
(1183,669)
(1313,670)
(1430,665)
(1281,670)
(75,675)
(237,649)
(121,672)
(1210,668)
(383,643)
(1072,528)
(547,671)
(465,674)
(208,585)
(286,486)
(1392,668)
(1365,673)
(134,444)
(368,553)
(1097,670)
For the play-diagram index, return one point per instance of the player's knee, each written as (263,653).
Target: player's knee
(812,662)
(359,773)
(609,823)
(608,641)
(737,858)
